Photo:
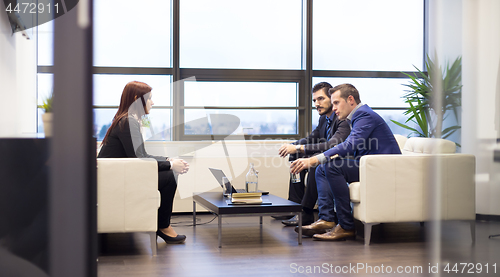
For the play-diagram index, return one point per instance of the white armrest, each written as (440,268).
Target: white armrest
(395,188)
(127,195)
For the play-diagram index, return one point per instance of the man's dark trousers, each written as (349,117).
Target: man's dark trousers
(336,174)
(305,195)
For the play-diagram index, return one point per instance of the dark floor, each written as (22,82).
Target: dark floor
(249,249)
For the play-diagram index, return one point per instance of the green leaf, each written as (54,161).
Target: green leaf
(404,126)
(422,123)
(450,130)
(46,105)
(420,94)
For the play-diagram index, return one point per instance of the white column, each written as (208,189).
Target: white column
(481,90)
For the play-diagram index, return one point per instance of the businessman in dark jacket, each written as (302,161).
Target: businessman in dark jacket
(329,132)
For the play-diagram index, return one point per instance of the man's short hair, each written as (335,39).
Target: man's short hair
(320,86)
(345,91)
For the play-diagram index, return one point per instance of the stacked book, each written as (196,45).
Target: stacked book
(247,198)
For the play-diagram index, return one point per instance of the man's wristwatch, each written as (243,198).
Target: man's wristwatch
(297,147)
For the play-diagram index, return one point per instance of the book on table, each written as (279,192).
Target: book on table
(247,198)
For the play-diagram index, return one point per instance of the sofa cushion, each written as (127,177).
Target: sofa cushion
(401,140)
(354,192)
(417,145)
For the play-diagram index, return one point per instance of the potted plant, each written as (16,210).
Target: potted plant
(427,111)
(46,106)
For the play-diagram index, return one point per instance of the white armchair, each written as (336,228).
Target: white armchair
(128,196)
(396,188)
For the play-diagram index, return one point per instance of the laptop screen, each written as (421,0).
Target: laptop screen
(218,174)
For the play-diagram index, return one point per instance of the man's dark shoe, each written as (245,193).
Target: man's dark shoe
(294,221)
(282,217)
(336,234)
(319,227)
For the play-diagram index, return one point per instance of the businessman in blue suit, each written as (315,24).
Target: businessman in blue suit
(329,132)
(340,164)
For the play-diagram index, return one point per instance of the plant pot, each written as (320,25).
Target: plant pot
(47,124)
(146,133)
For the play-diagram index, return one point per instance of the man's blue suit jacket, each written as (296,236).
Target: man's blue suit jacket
(369,135)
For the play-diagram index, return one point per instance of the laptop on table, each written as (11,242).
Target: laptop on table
(218,174)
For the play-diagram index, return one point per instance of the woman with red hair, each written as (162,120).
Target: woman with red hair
(124,140)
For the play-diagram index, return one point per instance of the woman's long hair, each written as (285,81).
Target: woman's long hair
(133,91)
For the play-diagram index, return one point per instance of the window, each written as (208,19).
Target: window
(257,34)
(382,35)
(107,93)
(45,43)
(108,88)
(128,35)
(277,114)
(249,59)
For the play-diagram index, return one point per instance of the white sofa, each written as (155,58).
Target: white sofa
(399,188)
(128,196)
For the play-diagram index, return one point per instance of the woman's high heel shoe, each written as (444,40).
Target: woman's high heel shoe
(171,240)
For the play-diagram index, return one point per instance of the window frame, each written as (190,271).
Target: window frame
(302,77)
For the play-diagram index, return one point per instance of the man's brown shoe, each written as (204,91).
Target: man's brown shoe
(318,227)
(336,234)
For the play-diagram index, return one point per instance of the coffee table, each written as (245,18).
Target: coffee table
(216,203)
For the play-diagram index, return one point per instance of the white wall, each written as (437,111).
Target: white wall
(481,83)
(26,72)
(18,82)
